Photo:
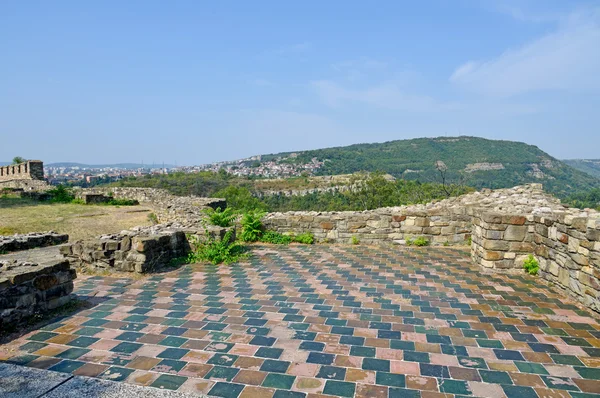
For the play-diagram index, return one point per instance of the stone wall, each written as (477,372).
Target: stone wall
(438,226)
(29,288)
(187,210)
(565,242)
(30,170)
(141,249)
(31,240)
(448,221)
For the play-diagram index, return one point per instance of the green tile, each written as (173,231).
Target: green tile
(83,341)
(495,377)
(173,353)
(457,387)
(222,373)
(115,373)
(390,379)
(127,347)
(277,380)
(226,390)
(173,341)
(530,367)
(222,359)
(339,388)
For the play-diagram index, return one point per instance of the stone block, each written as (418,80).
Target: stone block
(515,233)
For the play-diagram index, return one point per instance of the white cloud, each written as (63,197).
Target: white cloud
(387,95)
(566,59)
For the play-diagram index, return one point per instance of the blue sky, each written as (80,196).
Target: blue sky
(195,81)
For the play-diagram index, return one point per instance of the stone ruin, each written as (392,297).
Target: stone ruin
(28,288)
(140,249)
(31,240)
(28,176)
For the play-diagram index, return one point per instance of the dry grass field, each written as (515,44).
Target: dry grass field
(79,221)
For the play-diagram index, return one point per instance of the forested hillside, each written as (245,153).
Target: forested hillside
(473,161)
(589,166)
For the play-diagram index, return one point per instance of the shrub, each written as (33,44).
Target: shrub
(409,241)
(531,265)
(61,194)
(216,250)
(78,201)
(355,240)
(306,238)
(252,226)
(221,218)
(122,202)
(152,218)
(276,238)
(421,241)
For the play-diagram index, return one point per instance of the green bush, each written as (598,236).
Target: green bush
(276,238)
(531,265)
(252,226)
(421,241)
(306,238)
(152,218)
(355,240)
(221,218)
(217,251)
(122,202)
(61,194)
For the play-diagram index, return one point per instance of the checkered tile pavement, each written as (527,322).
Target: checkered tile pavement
(321,321)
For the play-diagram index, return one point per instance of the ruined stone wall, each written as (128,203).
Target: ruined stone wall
(30,241)
(565,242)
(140,249)
(448,221)
(187,210)
(438,226)
(30,170)
(29,288)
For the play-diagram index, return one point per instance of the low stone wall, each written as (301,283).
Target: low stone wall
(566,243)
(448,221)
(29,288)
(438,226)
(31,241)
(187,210)
(141,249)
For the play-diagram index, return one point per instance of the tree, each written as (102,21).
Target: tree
(19,159)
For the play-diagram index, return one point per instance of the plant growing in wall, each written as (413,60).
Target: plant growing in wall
(421,241)
(531,265)
(18,159)
(306,238)
(355,240)
(221,218)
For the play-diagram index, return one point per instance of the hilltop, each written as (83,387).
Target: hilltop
(589,166)
(473,161)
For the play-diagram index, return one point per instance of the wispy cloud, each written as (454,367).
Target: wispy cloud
(386,95)
(566,59)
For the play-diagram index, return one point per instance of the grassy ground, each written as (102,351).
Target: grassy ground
(79,221)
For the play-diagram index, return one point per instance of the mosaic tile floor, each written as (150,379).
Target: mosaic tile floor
(316,321)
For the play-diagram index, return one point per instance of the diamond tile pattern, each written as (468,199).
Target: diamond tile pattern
(319,321)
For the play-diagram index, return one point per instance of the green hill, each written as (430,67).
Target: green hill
(589,166)
(473,161)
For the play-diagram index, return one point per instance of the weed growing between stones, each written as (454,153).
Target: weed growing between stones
(531,265)
(355,240)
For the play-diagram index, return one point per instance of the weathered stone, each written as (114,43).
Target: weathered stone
(515,233)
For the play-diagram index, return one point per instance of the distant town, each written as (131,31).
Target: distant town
(90,175)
